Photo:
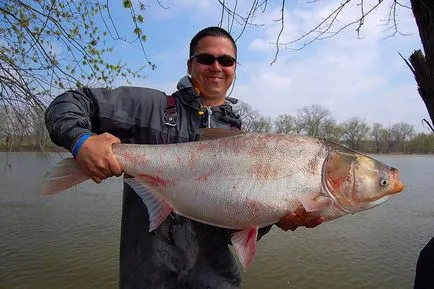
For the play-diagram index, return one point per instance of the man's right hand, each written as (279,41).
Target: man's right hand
(96,157)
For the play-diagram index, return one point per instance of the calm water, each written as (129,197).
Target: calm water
(71,240)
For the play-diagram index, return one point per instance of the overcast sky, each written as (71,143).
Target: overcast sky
(348,75)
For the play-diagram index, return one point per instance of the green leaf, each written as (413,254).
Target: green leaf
(127,3)
(138,31)
(24,22)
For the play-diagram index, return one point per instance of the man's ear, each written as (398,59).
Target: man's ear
(189,66)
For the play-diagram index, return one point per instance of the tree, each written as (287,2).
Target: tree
(40,133)
(312,117)
(49,46)
(401,133)
(386,139)
(262,125)
(14,129)
(376,135)
(248,116)
(285,123)
(355,130)
(298,125)
(422,144)
(330,130)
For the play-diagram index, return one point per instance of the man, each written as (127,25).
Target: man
(181,253)
(424,278)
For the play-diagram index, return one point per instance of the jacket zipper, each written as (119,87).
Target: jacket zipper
(209,111)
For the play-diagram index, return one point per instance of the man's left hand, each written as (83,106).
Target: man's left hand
(298,218)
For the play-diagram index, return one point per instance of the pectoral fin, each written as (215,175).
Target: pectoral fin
(314,202)
(244,243)
(158,208)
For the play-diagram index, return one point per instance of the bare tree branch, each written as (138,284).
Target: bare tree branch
(282,25)
(327,28)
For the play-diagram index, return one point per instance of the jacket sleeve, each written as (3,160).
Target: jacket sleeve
(69,115)
(99,110)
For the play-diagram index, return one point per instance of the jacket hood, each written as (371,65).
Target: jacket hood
(184,83)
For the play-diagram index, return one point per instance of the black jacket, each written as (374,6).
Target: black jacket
(424,278)
(181,253)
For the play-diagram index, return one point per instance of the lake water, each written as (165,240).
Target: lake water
(71,240)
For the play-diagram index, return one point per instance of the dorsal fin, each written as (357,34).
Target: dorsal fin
(215,133)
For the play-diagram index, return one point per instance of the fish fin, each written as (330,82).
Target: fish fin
(314,202)
(215,133)
(65,174)
(244,243)
(158,208)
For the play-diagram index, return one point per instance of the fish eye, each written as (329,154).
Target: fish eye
(384,182)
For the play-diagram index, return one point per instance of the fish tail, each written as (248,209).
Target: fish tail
(64,175)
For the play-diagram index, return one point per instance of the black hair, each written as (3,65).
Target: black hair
(211,31)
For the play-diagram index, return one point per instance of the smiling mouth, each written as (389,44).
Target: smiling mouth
(214,79)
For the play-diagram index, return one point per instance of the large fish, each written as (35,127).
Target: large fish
(245,181)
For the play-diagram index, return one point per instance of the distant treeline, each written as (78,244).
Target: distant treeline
(355,133)
(28,131)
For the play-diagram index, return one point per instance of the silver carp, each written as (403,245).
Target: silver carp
(245,181)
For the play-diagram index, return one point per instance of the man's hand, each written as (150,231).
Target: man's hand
(298,218)
(96,157)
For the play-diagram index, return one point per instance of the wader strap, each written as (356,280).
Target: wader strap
(170,114)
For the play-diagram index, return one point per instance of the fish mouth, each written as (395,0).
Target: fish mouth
(398,186)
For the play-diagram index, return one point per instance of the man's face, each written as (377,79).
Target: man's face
(212,80)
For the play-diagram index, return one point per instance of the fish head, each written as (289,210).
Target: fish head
(357,182)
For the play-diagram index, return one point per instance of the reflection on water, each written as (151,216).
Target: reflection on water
(71,240)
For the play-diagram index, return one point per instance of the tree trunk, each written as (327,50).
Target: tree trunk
(423,66)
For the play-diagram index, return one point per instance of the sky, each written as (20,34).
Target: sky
(351,75)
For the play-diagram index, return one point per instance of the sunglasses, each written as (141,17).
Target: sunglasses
(208,59)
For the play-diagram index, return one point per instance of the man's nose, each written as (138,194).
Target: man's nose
(215,66)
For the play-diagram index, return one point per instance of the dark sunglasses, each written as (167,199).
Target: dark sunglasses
(208,59)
